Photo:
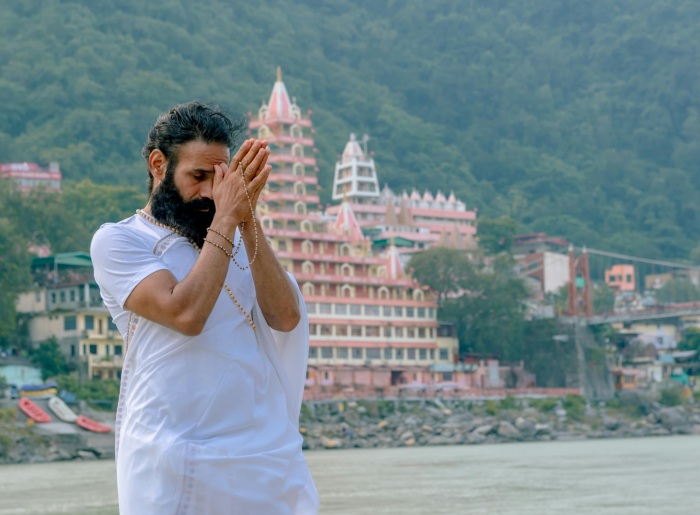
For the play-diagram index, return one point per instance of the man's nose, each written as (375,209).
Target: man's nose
(205,191)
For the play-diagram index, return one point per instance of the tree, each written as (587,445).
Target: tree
(96,204)
(14,275)
(445,271)
(678,290)
(496,234)
(491,315)
(547,341)
(50,359)
(691,339)
(603,298)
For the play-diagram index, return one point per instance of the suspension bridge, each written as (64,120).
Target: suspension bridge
(637,288)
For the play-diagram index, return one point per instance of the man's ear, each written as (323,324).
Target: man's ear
(157,165)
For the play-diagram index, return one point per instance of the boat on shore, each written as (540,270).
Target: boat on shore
(92,425)
(33,411)
(41,390)
(61,410)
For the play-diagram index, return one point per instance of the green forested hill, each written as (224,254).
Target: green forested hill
(579,118)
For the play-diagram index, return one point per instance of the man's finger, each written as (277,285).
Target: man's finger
(242,151)
(219,173)
(257,164)
(248,157)
(258,183)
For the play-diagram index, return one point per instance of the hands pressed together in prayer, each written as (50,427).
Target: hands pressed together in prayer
(231,198)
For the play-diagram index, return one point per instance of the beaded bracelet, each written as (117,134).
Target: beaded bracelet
(234,248)
(222,235)
(228,254)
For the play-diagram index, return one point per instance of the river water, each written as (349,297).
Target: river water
(633,476)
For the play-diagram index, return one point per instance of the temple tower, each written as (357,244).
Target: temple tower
(291,193)
(355,175)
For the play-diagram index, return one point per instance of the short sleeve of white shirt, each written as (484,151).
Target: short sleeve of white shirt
(122,258)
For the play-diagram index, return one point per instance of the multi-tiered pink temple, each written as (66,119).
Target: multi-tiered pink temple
(371,325)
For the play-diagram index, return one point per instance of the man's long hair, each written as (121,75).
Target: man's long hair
(193,121)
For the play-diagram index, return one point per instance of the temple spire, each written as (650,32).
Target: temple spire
(346,223)
(355,173)
(279,106)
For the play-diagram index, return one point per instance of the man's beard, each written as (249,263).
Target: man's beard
(169,208)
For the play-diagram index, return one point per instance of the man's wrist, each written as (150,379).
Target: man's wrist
(225,223)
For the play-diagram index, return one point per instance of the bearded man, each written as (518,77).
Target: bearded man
(215,330)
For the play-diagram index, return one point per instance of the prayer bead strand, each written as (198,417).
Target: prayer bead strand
(255,225)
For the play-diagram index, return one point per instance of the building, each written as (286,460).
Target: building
(30,176)
(417,221)
(549,269)
(371,325)
(621,278)
(663,336)
(542,259)
(65,304)
(658,281)
(17,372)
(538,242)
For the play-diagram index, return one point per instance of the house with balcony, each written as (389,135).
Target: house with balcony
(64,303)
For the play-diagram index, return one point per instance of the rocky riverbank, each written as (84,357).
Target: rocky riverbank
(401,423)
(372,424)
(23,442)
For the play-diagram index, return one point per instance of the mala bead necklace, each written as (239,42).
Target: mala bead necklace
(148,217)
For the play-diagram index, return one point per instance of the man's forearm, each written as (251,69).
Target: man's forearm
(276,294)
(185,305)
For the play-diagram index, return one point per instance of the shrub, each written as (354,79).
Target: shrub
(632,404)
(370,408)
(510,402)
(8,415)
(385,408)
(491,407)
(6,445)
(306,414)
(575,407)
(99,393)
(546,405)
(670,396)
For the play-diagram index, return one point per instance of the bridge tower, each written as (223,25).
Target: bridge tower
(586,299)
(572,304)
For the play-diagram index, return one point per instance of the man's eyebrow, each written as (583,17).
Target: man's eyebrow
(202,170)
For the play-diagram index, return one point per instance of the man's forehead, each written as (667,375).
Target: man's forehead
(199,152)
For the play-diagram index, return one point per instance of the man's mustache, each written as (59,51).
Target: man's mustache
(200,204)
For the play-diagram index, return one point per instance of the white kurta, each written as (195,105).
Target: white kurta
(205,424)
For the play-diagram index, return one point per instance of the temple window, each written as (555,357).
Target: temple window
(307,267)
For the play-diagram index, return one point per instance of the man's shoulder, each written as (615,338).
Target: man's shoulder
(131,231)
(129,227)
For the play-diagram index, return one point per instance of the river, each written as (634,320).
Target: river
(632,476)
